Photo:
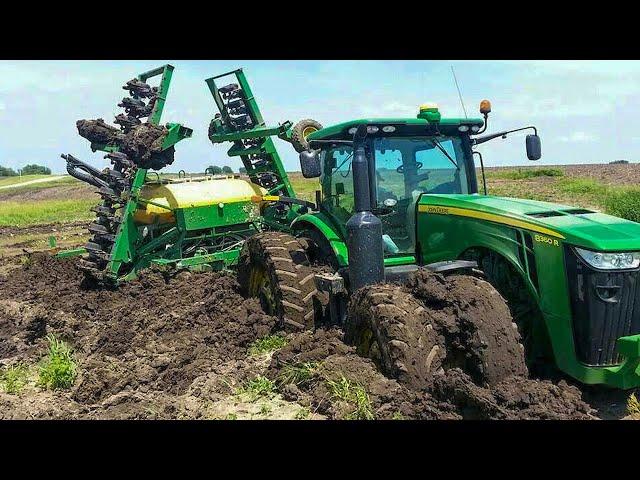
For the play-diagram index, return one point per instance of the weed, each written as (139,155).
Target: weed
(26,261)
(14,378)
(303,413)
(267,344)
(58,369)
(397,416)
(257,387)
(354,394)
(231,416)
(298,374)
(633,406)
(265,409)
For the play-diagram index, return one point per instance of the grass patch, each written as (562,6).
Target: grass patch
(14,378)
(265,409)
(257,387)
(58,369)
(633,406)
(303,413)
(623,202)
(522,174)
(582,186)
(267,344)
(298,374)
(355,395)
(305,188)
(21,214)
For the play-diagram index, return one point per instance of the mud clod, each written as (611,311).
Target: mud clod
(142,143)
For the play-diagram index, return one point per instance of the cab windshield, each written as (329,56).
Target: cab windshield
(406,167)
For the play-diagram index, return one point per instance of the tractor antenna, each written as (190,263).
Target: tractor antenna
(459,93)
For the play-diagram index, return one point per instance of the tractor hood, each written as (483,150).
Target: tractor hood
(577,226)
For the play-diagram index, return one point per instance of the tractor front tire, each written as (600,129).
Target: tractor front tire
(390,326)
(274,267)
(301,131)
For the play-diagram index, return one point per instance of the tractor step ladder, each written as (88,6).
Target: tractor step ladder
(241,123)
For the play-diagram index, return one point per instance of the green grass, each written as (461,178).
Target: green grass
(303,413)
(6,181)
(58,370)
(623,202)
(297,374)
(305,188)
(582,186)
(22,214)
(355,395)
(633,406)
(267,344)
(257,387)
(14,378)
(522,174)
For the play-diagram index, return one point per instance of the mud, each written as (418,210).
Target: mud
(142,144)
(155,345)
(98,131)
(177,346)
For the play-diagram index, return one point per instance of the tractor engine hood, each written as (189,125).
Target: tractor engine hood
(577,226)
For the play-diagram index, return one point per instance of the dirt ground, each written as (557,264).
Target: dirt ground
(179,347)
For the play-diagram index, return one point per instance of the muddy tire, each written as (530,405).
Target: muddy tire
(274,267)
(301,131)
(484,340)
(391,326)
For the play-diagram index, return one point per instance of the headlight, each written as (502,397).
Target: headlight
(610,261)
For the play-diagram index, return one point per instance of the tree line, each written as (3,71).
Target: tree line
(216,170)
(31,169)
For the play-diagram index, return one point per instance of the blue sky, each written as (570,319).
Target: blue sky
(585,110)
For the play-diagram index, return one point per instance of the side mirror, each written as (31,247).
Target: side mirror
(534,147)
(310,163)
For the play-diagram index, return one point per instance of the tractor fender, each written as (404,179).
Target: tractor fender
(322,225)
(511,258)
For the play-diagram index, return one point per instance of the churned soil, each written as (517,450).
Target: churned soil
(178,346)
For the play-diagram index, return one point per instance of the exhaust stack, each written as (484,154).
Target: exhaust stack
(364,229)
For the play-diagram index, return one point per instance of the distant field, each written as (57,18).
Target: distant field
(609,188)
(5,181)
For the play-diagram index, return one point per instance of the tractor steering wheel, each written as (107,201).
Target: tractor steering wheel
(400,169)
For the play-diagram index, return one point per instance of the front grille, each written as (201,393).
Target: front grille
(605,307)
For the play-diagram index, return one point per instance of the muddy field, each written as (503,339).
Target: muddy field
(185,346)
(181,347)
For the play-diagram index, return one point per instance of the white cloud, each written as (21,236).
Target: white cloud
(579,137)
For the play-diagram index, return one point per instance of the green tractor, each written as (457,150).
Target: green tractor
(399,194)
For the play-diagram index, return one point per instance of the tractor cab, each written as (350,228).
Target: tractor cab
(410,157)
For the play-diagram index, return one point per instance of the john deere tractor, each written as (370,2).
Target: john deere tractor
(399,194)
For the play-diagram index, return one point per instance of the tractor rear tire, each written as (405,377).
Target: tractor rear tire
(274,267)
(390,326)
(301,131)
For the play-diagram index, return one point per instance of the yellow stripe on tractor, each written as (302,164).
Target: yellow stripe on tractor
(464,212)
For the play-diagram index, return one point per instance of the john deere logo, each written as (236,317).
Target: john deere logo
(438,210)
